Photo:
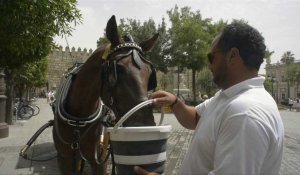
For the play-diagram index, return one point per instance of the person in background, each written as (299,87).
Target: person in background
(51,96)
(47,96)
(239,130)
(296,105)
(291,103)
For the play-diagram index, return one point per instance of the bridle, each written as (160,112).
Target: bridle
(110,75)
(110,67)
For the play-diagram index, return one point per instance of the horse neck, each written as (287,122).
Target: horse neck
(83,97)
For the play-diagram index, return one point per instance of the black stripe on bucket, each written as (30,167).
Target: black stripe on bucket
(128,169)
(137,148)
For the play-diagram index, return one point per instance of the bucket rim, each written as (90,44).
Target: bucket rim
(161,128)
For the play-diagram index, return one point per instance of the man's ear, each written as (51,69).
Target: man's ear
(234,55)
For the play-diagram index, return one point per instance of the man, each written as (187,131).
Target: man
(239,130)
(291,103)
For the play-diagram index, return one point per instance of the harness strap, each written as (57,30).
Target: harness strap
(76,161)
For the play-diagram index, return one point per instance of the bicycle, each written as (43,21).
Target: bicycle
(24,110)
(36,109)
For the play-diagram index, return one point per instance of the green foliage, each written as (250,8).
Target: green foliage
(205,82)
(293,74)
(268,55)
(268,85)
(190,37)
(27,28)
(32,74)
(288,58)
(143,31)
(163,81)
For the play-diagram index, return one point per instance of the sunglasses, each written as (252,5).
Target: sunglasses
(211,56)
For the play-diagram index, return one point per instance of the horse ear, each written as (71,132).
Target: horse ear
(148,44)
(112,31)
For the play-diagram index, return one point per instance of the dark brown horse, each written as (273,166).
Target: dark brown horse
(116,74)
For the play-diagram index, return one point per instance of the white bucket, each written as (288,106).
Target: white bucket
(142,146)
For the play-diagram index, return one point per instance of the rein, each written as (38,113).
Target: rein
(60,110)
(74,121)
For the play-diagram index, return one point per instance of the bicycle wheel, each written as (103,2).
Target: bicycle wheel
(36,110)
(26,112)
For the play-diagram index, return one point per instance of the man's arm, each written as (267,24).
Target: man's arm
(186,115)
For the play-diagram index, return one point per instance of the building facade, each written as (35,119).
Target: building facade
(281,87)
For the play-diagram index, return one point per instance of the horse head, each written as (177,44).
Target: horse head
(128,76)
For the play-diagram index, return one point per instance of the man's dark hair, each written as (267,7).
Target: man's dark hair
(247,39)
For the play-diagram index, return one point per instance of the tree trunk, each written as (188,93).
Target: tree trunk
(178,81)
(194,84)
(10,97)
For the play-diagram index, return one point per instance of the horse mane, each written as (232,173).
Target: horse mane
(99,51)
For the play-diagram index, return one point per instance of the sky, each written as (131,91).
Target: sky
(277,20)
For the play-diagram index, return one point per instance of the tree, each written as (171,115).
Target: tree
(27,29)
(205,82)
(268,55)
(142,31)
(29,76)
(293,75)
(191,36)
(288,58)
(268,85)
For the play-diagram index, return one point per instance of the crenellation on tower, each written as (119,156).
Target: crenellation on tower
(60,60)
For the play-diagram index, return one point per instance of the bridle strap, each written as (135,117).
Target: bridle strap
(126,45)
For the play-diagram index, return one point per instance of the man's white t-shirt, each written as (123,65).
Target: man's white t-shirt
(240,132)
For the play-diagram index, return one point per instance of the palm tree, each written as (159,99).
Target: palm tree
(268,55)
(288,58)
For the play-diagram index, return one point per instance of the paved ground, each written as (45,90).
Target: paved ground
(21,131)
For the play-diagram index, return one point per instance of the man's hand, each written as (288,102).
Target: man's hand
(141,171)
(163,98)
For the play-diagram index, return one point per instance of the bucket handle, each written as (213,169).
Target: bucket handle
(133,110)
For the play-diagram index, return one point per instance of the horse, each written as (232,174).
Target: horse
(116,77)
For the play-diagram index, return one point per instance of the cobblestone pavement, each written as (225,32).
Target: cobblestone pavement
(22,130)
(291,152)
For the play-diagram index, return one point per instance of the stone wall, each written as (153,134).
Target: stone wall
(59,61)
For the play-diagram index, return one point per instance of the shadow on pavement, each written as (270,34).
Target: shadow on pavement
(45,156)
(45,164)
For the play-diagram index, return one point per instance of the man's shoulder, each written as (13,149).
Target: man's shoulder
(251,102)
